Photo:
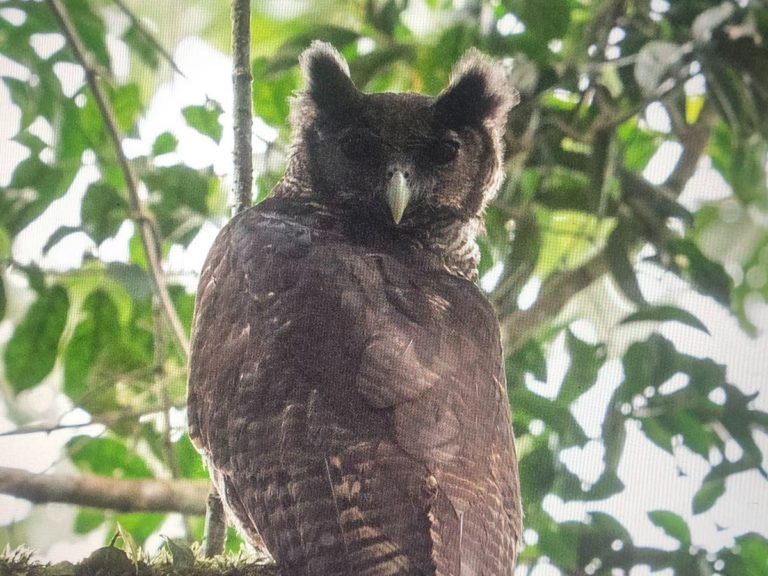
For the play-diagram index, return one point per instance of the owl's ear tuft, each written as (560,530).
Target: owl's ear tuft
(479,94)
(326,75)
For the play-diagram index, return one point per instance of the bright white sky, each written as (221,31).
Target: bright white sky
(648,472)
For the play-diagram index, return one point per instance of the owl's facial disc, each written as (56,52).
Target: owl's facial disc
(398,194)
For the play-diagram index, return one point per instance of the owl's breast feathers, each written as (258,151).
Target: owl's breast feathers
(349,398)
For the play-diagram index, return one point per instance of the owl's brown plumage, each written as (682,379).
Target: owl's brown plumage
(346,382)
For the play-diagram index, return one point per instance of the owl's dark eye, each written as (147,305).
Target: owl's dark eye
(444,151)
(359,145)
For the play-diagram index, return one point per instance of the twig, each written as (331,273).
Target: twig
(149,36)
(215,533)
(694,139)
(45,428)
(138,213)
(155,495)
(518,326)
(243,121)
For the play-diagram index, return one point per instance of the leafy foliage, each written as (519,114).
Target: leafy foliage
(608,89)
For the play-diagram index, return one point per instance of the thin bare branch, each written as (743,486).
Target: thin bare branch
(185,496)
(694,138)
(139,25)
(45,429)
(243,120)
(215,533)
(138,212)
(518,326)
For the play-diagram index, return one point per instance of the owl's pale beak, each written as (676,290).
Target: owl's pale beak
(398,195)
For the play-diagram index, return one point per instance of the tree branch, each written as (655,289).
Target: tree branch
(185,496)
(215,535)
(558,289)
(44,429)
(138,213)
(694,139)
(243,121)
(556,292)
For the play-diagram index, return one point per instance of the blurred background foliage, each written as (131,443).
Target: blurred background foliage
(626,255)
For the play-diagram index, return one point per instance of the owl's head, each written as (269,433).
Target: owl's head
(401,159)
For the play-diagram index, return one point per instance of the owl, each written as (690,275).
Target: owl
(346,385)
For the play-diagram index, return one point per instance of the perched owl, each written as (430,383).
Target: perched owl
(346,385)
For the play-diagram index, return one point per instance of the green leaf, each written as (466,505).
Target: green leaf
(96,333)
(72,139)
(673,525)
(91,29)
(545,19)
(134,279)
(708,494)
(657,433)
(741,163)
(205,119)
(749,557)
(537,471)
(271,92)
(88,519)
(708,276)
(597,538)
(3,298)
(181,554)
(126,106)
(366,67)
(648,363)
(5,245)
(617,249)
(179,200)
(184,303)
(528,358)
(141,46)
(666,314)
(33,187)
(103,210)
(287,55)
(31,352)
(435,67)
(639,145)
(385,14)
(748,175)
(586,360)
(164,143)
(606,486)
(189,460)
(558,541)
(60,233)
(528,406)
(695,431)
(106,457)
